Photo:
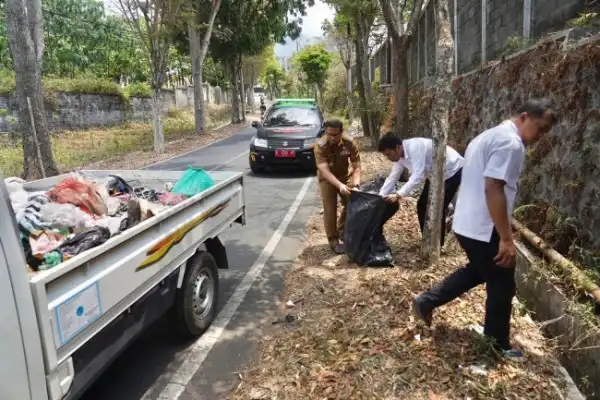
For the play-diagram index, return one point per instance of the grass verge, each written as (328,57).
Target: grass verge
(350,333)
(80,148)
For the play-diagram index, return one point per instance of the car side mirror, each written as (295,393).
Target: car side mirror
(255,124)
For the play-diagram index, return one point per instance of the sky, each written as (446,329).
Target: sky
(311,27)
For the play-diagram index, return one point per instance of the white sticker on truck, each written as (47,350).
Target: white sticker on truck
(78,312)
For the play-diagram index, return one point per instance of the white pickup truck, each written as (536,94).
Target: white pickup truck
(61,328)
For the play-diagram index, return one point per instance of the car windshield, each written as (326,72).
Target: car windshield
(292,117)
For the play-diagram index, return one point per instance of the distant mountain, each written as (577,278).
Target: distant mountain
(291,46)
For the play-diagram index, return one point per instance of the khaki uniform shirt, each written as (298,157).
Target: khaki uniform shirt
(338,157)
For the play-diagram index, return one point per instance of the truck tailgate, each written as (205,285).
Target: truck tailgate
(77,298)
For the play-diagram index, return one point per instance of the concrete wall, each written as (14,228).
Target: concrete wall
(72,111)
(577,339)
(561,170)
(485,31)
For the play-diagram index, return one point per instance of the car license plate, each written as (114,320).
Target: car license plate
(285,153)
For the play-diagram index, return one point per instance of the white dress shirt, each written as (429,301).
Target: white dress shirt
(418,159)
(497,153)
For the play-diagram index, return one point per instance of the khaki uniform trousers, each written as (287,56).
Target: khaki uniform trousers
(334,225)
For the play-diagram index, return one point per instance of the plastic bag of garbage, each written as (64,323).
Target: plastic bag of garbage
(18,195)
(113,224)
(362,241)
(84,241)
(117,185)
(193,181)
(65,216)
(75,190)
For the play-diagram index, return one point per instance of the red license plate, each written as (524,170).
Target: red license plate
(285,153)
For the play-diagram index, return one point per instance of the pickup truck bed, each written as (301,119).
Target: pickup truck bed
(75,300)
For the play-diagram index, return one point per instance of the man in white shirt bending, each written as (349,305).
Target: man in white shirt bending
(493,164)
(416,155)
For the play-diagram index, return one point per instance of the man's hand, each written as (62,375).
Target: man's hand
(392,198)
(506,253)
(344,190)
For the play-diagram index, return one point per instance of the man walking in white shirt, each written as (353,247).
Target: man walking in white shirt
(493,164)
(416,155)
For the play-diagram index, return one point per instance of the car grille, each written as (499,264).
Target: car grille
(289,143)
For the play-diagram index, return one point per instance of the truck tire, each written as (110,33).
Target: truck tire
(196,302)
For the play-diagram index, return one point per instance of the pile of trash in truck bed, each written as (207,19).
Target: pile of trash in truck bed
(80,212)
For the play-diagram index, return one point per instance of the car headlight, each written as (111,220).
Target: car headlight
(310,142)
(258,142)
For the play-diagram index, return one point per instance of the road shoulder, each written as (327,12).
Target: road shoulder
(140,159)
(347,332)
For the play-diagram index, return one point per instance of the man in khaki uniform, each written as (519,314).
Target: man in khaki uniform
(334,153)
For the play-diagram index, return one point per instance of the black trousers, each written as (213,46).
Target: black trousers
(390,210)
(450,188)
(499,281)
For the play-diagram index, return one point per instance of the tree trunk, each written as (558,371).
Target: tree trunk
(402,116)
(159,139)
(430,247)
(25,35)
(242,89)
(401,35)
(195,51)
(235,97)
(360,81)
(198,54)
(350,113)
(251,92)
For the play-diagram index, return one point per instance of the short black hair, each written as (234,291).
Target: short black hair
(537,108)
(334,123)
(389,141)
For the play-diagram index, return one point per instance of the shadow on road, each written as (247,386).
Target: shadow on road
(157,354)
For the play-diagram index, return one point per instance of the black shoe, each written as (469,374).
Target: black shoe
(338,248)
(420,311)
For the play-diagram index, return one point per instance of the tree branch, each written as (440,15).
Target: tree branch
(390,19)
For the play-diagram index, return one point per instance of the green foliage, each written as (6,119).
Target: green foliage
(246,27)
(315,61)
(139,89)
(214,73)
(82,84)
(80,38)
(588,20)
(7,82)
(336,97)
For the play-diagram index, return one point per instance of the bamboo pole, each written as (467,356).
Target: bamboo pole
(571,270)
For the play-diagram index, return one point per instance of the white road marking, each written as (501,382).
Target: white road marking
(196,355)
(230,160)
(191,151)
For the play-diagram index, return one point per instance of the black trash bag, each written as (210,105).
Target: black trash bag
(373,186)
(363,242)
(146,194)
(84,241)
(117,185)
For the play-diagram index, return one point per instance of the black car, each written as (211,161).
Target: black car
(286,136)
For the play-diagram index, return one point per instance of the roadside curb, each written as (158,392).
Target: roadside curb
(218,128)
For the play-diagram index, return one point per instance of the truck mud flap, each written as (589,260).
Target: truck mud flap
(218,251)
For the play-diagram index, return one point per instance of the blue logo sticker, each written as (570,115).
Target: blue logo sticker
(79,311)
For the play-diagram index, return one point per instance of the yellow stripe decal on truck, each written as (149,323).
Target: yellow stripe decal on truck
(166,243)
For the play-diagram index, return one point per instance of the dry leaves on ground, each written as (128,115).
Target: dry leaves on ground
(347,333)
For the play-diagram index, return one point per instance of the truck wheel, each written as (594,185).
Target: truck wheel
(196,302)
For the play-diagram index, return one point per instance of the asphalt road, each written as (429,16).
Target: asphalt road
(157,360)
